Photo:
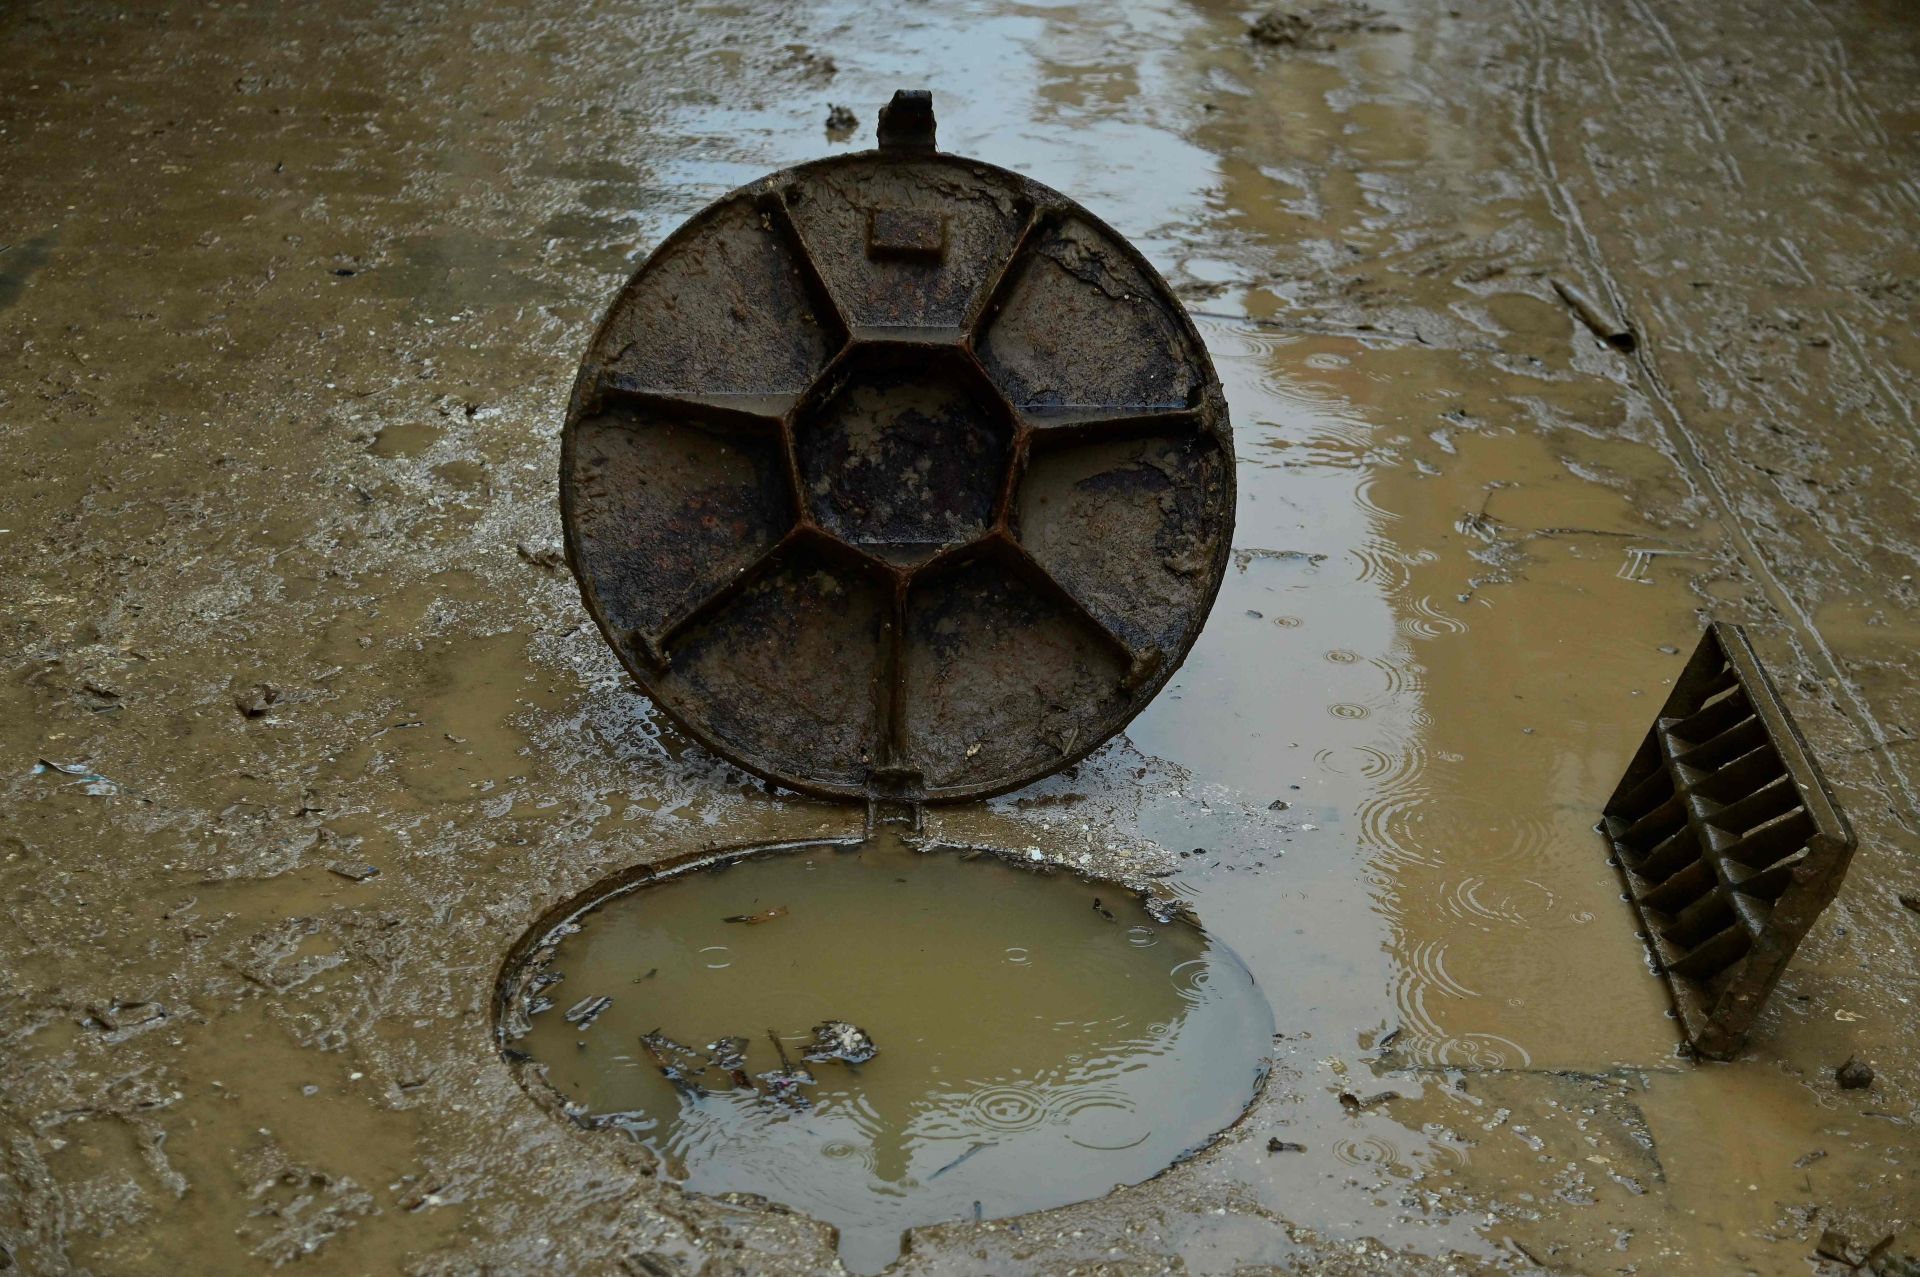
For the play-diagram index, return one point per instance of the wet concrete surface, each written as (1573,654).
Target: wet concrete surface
(290,301)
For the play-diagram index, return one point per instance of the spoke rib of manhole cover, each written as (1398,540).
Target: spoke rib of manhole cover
(1055,425)
(674,497)
(766,410)
(894,767)
(1002,276)
(1116,517)
(657,647)
(1003,504)
(890,686)
(826,305)
(1141,662)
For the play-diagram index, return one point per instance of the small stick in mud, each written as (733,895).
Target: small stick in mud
(786,1065)
(1612,332)
(1102,910)
(784,1085)
(754,919)
(583,1013)
(973,1148)
(1354,1104)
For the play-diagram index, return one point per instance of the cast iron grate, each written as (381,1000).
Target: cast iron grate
(1728,839)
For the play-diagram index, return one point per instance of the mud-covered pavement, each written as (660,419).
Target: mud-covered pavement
(289,304)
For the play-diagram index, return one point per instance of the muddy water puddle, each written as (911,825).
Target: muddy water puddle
(883,1037)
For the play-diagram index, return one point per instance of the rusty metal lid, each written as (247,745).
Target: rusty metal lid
(898,476)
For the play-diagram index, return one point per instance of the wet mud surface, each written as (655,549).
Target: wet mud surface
(1548,329)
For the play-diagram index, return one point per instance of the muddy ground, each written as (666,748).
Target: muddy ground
(290,299)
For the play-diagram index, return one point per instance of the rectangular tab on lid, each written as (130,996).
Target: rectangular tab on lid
(906,232)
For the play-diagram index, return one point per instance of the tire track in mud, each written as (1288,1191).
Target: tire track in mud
(1716,133)
(1535,135)
(1852,105)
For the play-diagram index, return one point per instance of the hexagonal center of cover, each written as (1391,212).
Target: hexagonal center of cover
(905,454)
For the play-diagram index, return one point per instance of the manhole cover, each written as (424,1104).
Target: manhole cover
(898,476)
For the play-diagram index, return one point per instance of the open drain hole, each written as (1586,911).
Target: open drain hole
(1031,1048)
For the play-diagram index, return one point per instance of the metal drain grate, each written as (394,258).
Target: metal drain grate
(1728,839)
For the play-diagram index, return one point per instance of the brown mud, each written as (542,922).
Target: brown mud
(290,302)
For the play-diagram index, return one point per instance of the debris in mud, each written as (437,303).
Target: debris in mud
(91,782)
(678,1064)
(1277,1145)
(115,1016)
(730,1054)
(353,872)
(1839,1248)
(253,702)
(584,1012)
(1278,804)
(1805,1160)
(544,556)
(784,1083)
(1853,1075)
(426,1199)
(755,919)
(838,1040)
(808,64)
(1597,318)
(1102,910)
(841,122)
(973,1148)
(1245,558)
(651,1264)
(1478,524)
(302,1206)
(1314,28)
(1525,1252)
(1911,902)
(1354,1104)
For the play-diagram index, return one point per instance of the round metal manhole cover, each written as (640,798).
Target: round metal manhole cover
(898,476)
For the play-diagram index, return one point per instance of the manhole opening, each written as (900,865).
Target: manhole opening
(883,1036)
